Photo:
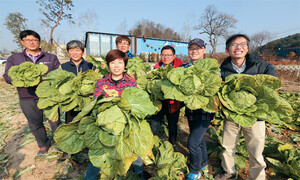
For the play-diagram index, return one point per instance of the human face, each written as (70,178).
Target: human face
(195,52)
(75,54)
(167,56)
(117,68)
(238,48)
(123,46)
(31,43)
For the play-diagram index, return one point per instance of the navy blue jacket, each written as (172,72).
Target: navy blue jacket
(254,65)
(71,67)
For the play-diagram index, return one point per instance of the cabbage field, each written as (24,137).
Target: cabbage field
(113,144)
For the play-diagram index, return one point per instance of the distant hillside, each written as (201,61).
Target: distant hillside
(292,41)
(283,47)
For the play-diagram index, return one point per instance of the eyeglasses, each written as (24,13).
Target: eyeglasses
(124,44)
(243,44)
(167,55)
(195,49)
(31,40)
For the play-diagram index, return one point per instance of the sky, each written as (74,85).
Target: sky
(280,17)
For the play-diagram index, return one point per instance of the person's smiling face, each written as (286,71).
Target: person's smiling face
(167,56)
(238,48)
(195,52)
(123,46)
(75,54)
(31,43)
(117,68)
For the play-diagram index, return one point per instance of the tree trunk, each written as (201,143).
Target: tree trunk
(52,29)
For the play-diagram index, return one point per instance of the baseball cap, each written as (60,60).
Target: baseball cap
(197,41)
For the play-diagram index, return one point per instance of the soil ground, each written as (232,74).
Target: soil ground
(22,153)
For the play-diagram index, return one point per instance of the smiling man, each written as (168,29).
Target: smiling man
(239,61)
(76,64)
(28,99)
(123,44)
(170,108)
(198,120)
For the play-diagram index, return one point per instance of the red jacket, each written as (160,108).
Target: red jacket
(173,105)
(176,63)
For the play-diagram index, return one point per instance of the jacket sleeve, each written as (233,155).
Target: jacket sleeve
(270,70)
(8,65)
(56,63)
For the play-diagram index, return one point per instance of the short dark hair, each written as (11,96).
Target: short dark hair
(122,38)
(25,33)
(116,54)
(235,36)
(74,44)
(168,47)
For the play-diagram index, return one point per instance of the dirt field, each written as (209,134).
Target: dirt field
(18,143)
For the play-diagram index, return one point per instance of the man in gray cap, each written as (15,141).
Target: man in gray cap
(199,120)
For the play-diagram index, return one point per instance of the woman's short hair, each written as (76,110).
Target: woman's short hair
(122,38)
(74,44)
(116,54)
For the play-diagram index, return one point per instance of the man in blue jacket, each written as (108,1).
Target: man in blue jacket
(198,120)
(28,99)
(239,61)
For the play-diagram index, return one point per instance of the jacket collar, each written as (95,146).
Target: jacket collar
(40,55)
(72,63)
(124,78)
(176,63)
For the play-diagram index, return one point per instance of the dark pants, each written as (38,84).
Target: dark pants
(172,122)
(92,171)
(34,117)
(70,116)
(198,153)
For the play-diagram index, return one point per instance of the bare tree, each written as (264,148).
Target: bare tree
(185,36)
(15,23)
(54,11)
(89,18)
(150,29)
(122,28)
(258,39)
(215,24)
(78,22)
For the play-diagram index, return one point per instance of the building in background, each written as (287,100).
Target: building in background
(97,44)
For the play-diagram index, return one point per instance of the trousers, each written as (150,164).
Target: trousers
(255,141)
(35,119)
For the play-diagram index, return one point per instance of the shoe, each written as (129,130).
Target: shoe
(205,169)
(192,176)
(225,176)
(145,175)
(43,150)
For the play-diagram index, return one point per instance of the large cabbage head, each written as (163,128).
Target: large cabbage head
(27,74)
(247,98)
(195,85)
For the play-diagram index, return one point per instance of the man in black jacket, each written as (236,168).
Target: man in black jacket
(239,61)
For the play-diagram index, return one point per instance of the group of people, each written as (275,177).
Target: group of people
(239,61)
